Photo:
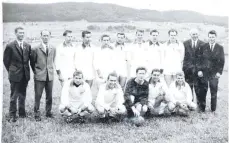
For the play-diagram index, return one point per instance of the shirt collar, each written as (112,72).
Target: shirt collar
(182,85)
(168,43)
(45,45)
(138,42)
(84,46)
(108,88)
(67,45)
(107,47)
(212,44)
(138,82)
(20,42)
(119,44)
(154,43)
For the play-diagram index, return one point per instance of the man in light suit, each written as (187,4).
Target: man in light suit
(216,62)
(195,64)
(42,63)
(16,60)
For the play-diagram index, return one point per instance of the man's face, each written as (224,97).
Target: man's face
(87,39)
(173,36)
(212,38)
(78,79)
(155,76)
(180,79)
(112,81)
(106,41)
(120,38)
(68,37)
(45,36)
(141,74)
(20,34)
(154,36)
(194,36)
(139,35)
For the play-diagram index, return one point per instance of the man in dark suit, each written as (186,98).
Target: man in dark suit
(42,63)
(216,62)
(16,60)
(195,66)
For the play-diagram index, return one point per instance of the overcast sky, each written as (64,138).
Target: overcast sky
(208,7)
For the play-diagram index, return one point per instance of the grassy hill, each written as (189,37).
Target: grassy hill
(94,12)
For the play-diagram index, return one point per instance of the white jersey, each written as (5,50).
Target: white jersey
(65,60)
(84,61)
(173,58)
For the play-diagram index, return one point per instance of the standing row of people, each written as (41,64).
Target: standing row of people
(201,63)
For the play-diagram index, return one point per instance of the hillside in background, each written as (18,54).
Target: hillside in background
(94,12)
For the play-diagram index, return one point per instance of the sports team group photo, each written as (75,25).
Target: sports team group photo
(133,81)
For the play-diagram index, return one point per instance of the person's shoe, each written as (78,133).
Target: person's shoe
(37,118)
(49,115)
(113,119)
(103,120)
(137,121)
(12,119)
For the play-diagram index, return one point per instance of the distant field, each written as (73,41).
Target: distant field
(198,128)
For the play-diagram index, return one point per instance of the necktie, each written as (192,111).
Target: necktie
(20,45)
(194,46)
(211,47)
(47,51)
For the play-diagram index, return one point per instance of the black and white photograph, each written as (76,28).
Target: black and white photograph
(114,71)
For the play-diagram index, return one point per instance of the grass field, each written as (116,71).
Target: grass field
(198,128)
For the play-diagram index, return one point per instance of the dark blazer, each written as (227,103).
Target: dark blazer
(16,61)
(194,60)
(43,64)
(216,59)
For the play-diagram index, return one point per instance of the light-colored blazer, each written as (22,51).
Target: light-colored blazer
(43,64)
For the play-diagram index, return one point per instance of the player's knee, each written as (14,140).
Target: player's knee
(171,106)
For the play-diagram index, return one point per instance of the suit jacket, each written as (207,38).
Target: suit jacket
(194,59)
(216,59)
(43,64)
(16,61)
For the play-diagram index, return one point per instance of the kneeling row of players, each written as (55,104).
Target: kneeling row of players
(139,98)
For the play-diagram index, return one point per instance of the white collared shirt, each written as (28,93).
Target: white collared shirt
(20,43)
(212,47)
(194,42)
(45,46)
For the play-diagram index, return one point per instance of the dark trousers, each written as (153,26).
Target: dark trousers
(213,84)
(18,92)
(200,85)
(39,87)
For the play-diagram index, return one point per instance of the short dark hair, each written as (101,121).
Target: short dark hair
(212,32)
(121,33)
(17,28)
(140,30)
(140,68)
(154,31)
(66,32)
(77,72)
(85,32)
(156,70)
(172,30)
(180,73)
(112,74)
(45,30)
(104,35)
